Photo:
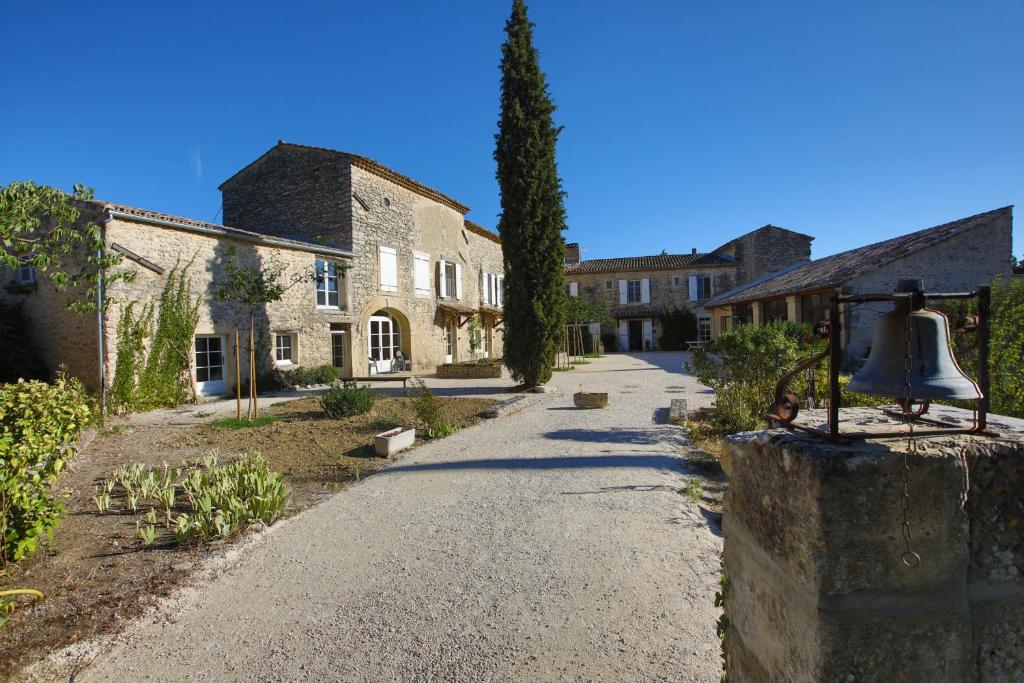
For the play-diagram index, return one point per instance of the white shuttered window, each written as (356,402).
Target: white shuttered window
(421,273)
(388,269)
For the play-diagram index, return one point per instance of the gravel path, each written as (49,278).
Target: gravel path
(548,545)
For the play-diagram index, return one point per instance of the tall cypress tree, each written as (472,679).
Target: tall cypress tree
(532,212)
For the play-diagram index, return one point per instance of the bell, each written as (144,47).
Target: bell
(934,373)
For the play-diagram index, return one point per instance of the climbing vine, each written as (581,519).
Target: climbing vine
(163,376)
(132,332)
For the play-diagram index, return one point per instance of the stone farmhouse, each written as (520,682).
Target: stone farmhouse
(955,256)
(637,290)
(395,273)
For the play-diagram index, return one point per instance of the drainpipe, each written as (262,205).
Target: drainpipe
(104,219)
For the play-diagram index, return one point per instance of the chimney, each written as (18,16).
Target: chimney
(693,252)
(572,253)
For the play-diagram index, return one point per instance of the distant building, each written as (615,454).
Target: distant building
(639,289)
(956,256)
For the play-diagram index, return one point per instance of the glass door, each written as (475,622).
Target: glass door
(385,340)
(210,366)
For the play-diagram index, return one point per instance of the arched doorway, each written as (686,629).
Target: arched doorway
(385,341)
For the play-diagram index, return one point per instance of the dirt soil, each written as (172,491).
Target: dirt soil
(95,573)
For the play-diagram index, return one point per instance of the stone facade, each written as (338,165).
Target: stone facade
(666,279)
(369,207)
(813,553)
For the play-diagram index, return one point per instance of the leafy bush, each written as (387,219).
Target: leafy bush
(224,498)
(38,423)
(304,377)
(678,326)
(347,399)
(1006,347)
(441,429)
(610,341)
(743,367)
(426,404)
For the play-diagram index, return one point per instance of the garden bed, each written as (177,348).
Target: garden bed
(96,574)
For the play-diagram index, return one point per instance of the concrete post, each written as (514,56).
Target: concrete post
(813,545)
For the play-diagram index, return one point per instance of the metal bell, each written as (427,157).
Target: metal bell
(934,372)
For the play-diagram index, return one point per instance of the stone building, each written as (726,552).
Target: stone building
(956,256)
(392,274)
(638,290)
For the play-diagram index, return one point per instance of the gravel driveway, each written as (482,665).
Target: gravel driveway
(547,545)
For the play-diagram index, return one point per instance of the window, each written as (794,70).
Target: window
(814,308)
(634,292)
(209,360)
(743,314)
(450,284)
(421,273)
(326,284)
(773,310)
(499,291)
(388,269)
(700,287)
(338,348)
(723,323)
(607,284)
(283,349)
(677,281)
(26,271)
(704,329)
(572,289)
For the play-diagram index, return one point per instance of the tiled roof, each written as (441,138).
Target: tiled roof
(372,166)
(144,215)
(482,231)
(659,262)
(833,271)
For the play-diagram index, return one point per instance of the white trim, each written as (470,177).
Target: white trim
(645,291)
(387,260)
(458,282)
(622,292)
(693,288)
(421,275)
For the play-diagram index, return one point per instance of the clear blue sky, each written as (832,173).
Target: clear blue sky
(686,123)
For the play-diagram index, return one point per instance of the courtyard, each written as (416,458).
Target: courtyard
(551,544)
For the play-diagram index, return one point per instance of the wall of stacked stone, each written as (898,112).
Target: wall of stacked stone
(58,335)
(813,547)
(960,263)
(203,257)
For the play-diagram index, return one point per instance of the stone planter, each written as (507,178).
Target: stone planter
(469,371)
(398,439)
(590,399)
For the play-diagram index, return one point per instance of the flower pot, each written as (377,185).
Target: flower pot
(590,399)
(390,442)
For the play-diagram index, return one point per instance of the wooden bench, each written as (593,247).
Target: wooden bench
(404,379)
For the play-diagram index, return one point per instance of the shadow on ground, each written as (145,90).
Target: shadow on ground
(662,462)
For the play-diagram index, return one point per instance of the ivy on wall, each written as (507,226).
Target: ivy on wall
(132,332)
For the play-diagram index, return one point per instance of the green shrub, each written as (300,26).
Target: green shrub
(304,377)
(1006,347)
(235,423)
(347,400)
(678,326)
(426,404)
(610,341)
(441,429)
(38,424)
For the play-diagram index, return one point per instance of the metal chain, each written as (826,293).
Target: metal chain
(910,558)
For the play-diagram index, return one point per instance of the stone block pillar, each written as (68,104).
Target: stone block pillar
(813,545)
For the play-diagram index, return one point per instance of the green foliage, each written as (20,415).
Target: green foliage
(347,399)
(44,225)
(476,329)
(7,605)
(225,498)
(580,311)
(38,424)
(166,379)
(694,490)
(20,360)
(235,423)
(441,429)
(132,332)
(426,405)
(307,376)
(610,341)
(1006,347)
(678,326)
(722,628)
(743,367)
(532,210)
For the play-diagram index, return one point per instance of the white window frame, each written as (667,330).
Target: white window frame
(630,289)
(574,289)
(704,329)
(26,271)
(387,265)
(421,274)
(324,279)
(698,290)
(279,347)
(448,288)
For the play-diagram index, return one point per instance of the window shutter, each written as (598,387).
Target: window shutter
(623,333)
(645,292)
(499,290)
(648,326)
(489,290)
(388,269)
(440,279)
(458,281)
(574,289)
(622,292)
(421,273)
(693,288)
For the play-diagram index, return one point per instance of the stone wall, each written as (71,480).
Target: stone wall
(960,263)
(813,545)
(766,250)
(296,314)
